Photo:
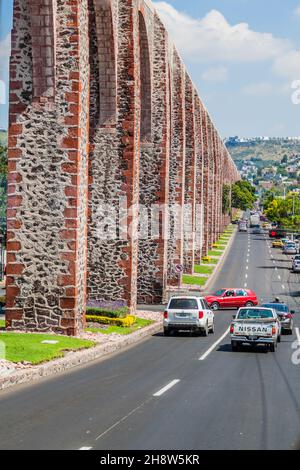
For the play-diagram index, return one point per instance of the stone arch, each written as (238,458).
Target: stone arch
(145,82)
(106,55)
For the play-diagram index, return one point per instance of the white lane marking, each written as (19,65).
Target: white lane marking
(246,276)
(245,285)
(279,278)
(247,267)
(283,287)
(204,356)
(166,388)
(276,269)
(85,448)
(298,334)
(122,419)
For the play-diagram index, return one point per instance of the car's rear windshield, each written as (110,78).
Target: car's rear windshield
(277,307)
(219,292)
(180,304)
(247,313)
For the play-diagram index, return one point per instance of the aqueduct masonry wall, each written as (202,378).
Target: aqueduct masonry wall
(107,133)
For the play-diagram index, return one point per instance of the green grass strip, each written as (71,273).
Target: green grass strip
(203,269)
(28,347)
(193,280)
(215,253)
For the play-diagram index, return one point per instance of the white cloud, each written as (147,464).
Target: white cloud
(213,38)
(297,11)
(288,65)
(215,74)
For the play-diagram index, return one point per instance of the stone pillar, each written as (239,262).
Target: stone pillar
(154,180)
(199,218)
(47,167)
(177,167)
(206,182)
(190,179)
(114,158)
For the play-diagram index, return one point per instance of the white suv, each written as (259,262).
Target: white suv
(188,313)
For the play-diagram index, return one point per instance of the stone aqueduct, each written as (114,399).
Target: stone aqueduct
(103,114)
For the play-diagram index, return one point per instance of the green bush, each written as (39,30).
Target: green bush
(125,322)
(2,300)
(105,312)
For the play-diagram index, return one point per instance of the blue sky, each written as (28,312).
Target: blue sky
(243,56)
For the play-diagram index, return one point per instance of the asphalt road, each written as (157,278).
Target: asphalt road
(245,400)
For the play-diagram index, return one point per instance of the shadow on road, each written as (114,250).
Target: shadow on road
(244,349)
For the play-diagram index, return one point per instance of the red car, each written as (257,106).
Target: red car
(231,298)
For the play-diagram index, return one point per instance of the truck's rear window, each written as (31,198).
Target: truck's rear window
(181,304)
(246,314)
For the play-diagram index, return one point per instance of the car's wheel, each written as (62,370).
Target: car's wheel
(234,346)
(249,304)
(167,332)
(279,339)
(215,306)
(212,328)
(290,332)
(273,347)
(205,330)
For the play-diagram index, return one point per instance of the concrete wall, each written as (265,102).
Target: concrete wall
(115,167)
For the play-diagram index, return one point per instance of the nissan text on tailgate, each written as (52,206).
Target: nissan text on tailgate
(255,325)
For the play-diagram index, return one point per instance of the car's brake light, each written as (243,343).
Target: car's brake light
(231,329)
(166,314)
(201,315)
(289,315)
(274,330)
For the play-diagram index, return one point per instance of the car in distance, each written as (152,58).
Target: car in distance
(188,314)
(296,264)
(257,230)
(285,315)
(243,226)
(231,298)
(277,244)
(290,248)
(255,326)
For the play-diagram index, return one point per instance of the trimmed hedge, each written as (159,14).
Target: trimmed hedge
(125,322)
(105,312)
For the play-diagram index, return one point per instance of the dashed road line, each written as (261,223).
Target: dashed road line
(166,388)
(204,356)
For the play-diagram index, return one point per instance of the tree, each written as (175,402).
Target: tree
(243,195)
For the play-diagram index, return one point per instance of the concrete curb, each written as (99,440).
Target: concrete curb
(77,358)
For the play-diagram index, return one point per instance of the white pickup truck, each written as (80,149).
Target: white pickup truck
(255,325)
